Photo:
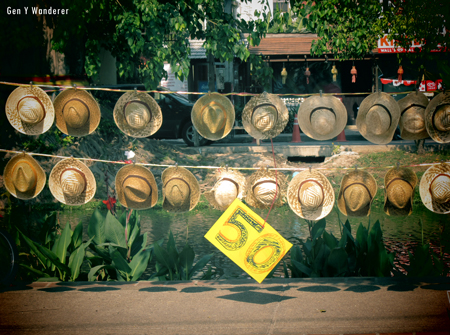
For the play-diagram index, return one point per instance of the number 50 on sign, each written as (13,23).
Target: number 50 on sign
(252,244)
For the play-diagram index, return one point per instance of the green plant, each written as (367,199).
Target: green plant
(336,149)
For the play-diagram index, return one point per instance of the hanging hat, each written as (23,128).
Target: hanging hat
(23,176)
(213,116)
(230,185)
(136,187)
(378,118)
(358,188)
(412,120)
(265,116)
(262,186)
(77,112)
(137,114)
(435,188)
(399,184)
(437,118)
(310,195)
(181,191)
(72,182)
(322,118)
(30,110)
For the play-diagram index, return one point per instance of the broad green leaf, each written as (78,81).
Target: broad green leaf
(303,268)
(62,243)
(96,227)
(187,256)
(76,260)
(330,240)
(171,247)
(338,262)
(54,259)
(163,257)
(114,231)
(94,270)
(77,236)
(318,229)
(139,263)
(119,262)
(200,265)
(36,271)
(34,249)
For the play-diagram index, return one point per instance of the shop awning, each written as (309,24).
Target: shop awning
(284,44)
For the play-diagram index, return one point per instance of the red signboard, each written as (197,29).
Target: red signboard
(386,46)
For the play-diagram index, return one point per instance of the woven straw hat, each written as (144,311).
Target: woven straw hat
(399,184)
(23,176)
(137,114)
(322,118)
(77,112)
(230,185)
(136,187)
(358,188)
(30,110)
(181,191)
(378,118)
(412,120)
(435,188)
(72,182)
(213,116)
(265,116)
(310,195)
(261,188)
(437,118)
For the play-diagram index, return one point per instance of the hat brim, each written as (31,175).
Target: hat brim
(352,177)
(316,102)
(424,188)
(410,177)
(189,178)
(234,175)
(203,128)
(282,119)
(140,171)
(40,177)
(121,122)
(388,102)
(435,103)
(328,194)
(54,182)
(261,176)
(417,99)
(13,116)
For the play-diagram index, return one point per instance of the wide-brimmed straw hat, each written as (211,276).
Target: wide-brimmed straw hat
(358,188)
(213,116)
(399,184)
(181,191)
(24,178)
(77,112)
(30,110)
(412,119)
(378,118)
(437,118)
(136,187)
(230,184)
(263,185)
(310,195)
(72,182)
(435,188)
(137,114)
(265,116)
(322,118)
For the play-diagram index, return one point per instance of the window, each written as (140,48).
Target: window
(281,5)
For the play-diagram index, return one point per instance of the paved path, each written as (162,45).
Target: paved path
(277,306)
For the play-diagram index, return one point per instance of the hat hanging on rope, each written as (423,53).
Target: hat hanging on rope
(437,118)
(30,110)
(263,185)
(213,116)
(181,191)
(137,114)
(23,177)
(399,184)
(77,112)
(412,119)
(435,188)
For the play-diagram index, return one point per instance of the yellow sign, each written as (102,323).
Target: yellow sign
(243,236)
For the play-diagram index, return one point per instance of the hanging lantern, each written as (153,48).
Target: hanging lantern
(284,75)
(307,74)
(353,73)
(334,72)
(400,73)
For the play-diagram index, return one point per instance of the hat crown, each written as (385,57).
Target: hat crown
(441,118)
(137,114)
(356,197)
(30,110)
(399,193)
(24,177)
(264,191)
(225,193)
(440,188)
(136,189)
(76,113)
(214,116)
(178,192)
(379,119)
(73,182)
(264,116)
(413,120)
(310,194)
(323,120)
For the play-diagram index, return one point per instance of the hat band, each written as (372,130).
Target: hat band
(401,179)
(79,100)
(136,102)
(142,178)
(35,98)
(317,108)
(411,106)
(81,173)
(265,105)
(314,181)
(265,181)
(387,111)
(231,180)
(370,195)
(184,181)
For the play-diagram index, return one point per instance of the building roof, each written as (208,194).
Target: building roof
(284,44)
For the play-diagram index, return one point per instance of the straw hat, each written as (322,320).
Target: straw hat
(265,116)
(213,116)
(322,118)
(437,118)
(230,185)
(310,195)
(435,188)
(136,187)
(358,188)
(77,112)
(181,191)
(261,188)
(137,114)
(72,182)
(399,184)
(412,120)
(30,110)
(378,118)
(24,177)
